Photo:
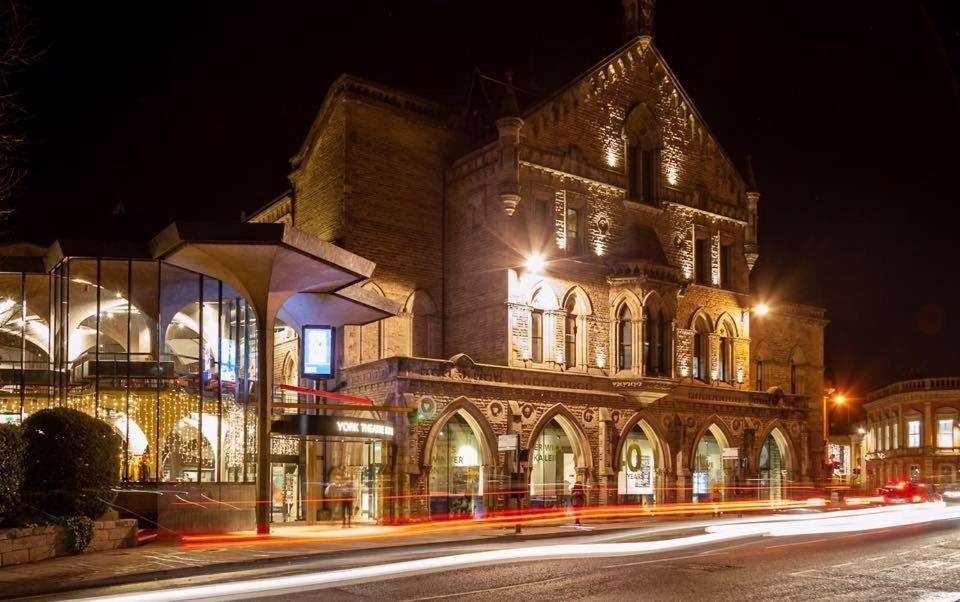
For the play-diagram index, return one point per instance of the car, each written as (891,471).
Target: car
(905,493)
(951,494)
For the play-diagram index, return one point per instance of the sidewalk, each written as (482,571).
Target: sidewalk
(170,559)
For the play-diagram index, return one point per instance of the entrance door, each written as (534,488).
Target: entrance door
(708,470)
(553,468)
(456,474)
(285,501)
(771,470)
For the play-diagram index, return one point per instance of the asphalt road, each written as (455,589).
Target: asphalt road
(903,563)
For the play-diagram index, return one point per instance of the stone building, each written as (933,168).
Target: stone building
(578,277)
(912,433)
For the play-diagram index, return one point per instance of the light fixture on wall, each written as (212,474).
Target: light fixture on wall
(535,263)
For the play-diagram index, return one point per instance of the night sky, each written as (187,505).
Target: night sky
(851,111)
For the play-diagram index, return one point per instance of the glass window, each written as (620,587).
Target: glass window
(759,375)
(913,433)
(573,242)
(793,379)
(701,350)
(662,345)
(649,341)
(726,266)
(536,336)
(702,260)
(945,432)
(625,339)
(570,333)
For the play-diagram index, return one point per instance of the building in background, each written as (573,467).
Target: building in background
(574,283)
(912,433)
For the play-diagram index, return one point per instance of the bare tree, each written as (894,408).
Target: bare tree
(15,56)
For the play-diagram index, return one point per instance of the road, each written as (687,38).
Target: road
(904,563)
(898,553)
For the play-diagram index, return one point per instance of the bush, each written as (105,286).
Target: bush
(79,532)
(72,464)
(11,469)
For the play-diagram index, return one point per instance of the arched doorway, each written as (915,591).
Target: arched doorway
(636,480)
(774,458)
(708,474)
(456,471)
(553,466)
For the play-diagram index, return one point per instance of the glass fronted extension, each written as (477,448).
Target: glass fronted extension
(165,355)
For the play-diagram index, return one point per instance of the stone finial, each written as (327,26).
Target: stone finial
(509,124)
(638,18)
(751,246)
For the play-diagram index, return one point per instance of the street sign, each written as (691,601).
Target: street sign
(730,453)
(508,442)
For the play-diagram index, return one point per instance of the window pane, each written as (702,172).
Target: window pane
(149,377)
(536,336)
(38,376)
(81,335)
(11,346)
(945,432)
(573,231)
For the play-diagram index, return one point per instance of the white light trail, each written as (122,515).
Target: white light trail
(778,526)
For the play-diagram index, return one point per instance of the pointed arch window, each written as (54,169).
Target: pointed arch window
(726,359)
(536,336)
(793,378)
(655,342)
(759,375)
(570,332)
(701,350)
(624,339)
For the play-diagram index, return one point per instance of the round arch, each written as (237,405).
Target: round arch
(652,433)
(568,422)
(478,423)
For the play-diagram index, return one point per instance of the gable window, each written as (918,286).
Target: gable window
(643,173)
(702,260)
(759,375)
(945,432)
(574,242)
(913,433)
(624,342)
(726,266)
(536,336)
(570,333)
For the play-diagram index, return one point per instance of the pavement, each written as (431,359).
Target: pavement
(166,560)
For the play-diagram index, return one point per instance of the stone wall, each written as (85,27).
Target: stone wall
(31,544)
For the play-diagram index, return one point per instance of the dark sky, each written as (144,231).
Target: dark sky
(850,109)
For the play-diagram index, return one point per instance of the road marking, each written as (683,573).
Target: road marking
(802,572)
(799,543)
(876,558)
(483,591)
(836,566)
(615,566)
(954,567)
(739,545)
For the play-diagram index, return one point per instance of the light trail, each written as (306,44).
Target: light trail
(779,526)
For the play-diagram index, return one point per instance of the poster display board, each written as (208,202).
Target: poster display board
(317,352)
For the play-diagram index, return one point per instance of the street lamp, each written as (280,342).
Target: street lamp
(535,263)
(762,309)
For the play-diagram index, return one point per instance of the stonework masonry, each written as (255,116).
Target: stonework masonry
(640,316)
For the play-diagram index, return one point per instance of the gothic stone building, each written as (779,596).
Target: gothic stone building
(579,279)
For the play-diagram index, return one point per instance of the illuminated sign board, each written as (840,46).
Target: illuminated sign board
(10,418)
(332,426)
(317,352)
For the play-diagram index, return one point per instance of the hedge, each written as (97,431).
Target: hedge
(72,464)
(11,468)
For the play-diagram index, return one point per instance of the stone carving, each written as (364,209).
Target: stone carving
(496,409)
(588,416)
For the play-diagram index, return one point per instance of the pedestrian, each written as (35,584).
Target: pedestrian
(346,502)
(578,497)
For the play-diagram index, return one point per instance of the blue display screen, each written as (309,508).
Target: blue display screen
(317,352)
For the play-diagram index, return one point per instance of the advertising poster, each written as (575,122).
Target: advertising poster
(317,352)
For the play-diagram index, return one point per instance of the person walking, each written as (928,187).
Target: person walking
(578,495)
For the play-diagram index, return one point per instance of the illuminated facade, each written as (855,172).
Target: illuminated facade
(577,274)
(166,342)
(912,432)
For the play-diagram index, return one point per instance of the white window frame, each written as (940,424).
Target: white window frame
(913,438)
(945,438)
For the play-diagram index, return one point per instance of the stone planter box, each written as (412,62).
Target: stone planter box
(30,544)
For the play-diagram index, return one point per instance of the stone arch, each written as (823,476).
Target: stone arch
(652,431)
(631,300)
(477,421)
(583,307)
(784,442)
(542,296)
(761,351)
(701,313)
(641,127)
(570,425)
(424,325)
(288,371)
(725,320)
(797,356)
(718,429)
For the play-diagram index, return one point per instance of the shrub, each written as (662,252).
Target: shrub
(72,463)
(11,469)
(79,532)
